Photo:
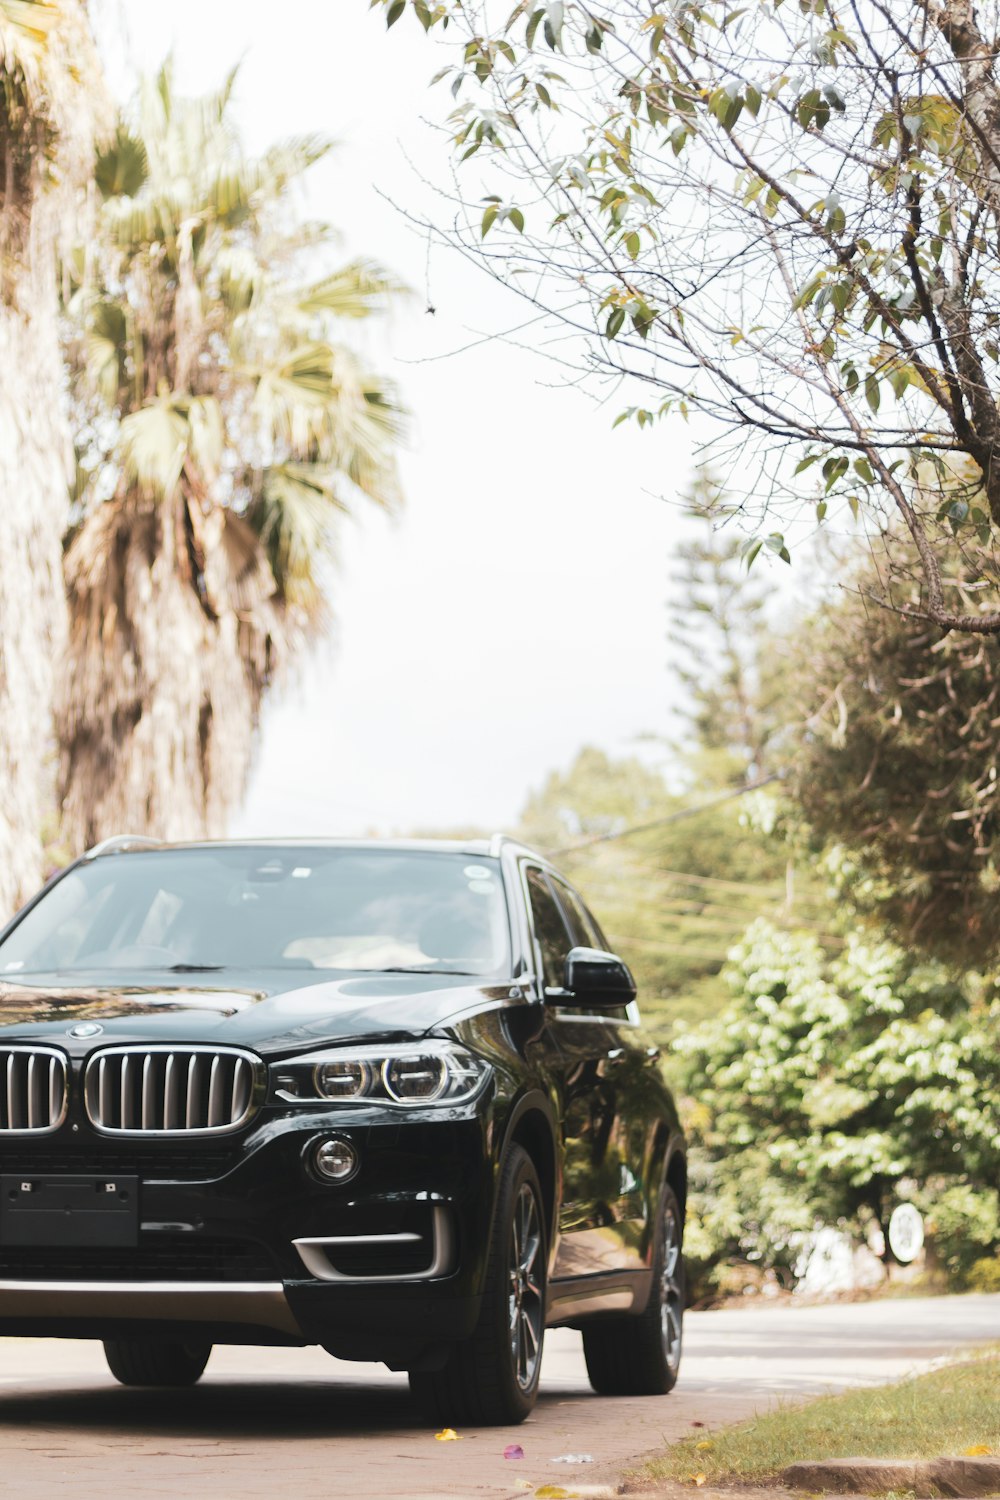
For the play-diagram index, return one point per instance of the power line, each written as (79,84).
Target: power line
(677,817)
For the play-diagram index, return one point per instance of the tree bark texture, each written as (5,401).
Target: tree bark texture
(35,458)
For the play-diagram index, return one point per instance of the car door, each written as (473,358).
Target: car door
(585,1061)
(630,1068)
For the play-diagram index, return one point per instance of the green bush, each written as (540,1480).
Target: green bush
(984,1274)
(963,1223)
(829,1089)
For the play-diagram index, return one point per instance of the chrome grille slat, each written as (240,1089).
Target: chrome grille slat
(103,1086)
(125,1107)
(33,1086)
(148,1117)
(191,1111)
(241,1088)
(169,1094)
(215,1112)
(162,1090)
(56,1089)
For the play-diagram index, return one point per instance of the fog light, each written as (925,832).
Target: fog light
(334,1161)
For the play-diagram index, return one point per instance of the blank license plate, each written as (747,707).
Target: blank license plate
(83,1211)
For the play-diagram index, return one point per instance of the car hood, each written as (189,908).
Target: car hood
(266,1013)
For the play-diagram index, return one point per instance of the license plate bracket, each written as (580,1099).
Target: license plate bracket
(100,1210)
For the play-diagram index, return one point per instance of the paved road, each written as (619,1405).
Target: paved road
(296,1424)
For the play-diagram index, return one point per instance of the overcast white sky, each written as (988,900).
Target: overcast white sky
(516,609)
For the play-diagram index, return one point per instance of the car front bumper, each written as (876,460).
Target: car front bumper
(387,1266)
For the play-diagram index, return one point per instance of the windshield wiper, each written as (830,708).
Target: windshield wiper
(195,968)
(413,969)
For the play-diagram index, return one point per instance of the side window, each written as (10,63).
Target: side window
(582,929)
(550,930)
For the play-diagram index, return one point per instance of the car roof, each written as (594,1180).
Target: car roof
(126,843)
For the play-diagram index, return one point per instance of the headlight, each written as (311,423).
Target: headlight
(343,1078)
(433,1072)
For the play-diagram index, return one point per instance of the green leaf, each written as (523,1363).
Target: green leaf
(395,11)
(899,380)
(872,393)
(516,217)
(489,218)
(614,323)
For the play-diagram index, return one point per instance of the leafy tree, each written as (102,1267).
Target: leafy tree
(52,100)
(897,771)
(674,880)
(724,651)
(831,1088)
(224,426)
(782,216)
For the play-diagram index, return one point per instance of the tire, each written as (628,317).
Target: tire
(491,1378)
(641,1356)
(154,1362)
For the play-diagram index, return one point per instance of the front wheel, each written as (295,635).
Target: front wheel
(491,1378)
(629,1356)
(155,1362)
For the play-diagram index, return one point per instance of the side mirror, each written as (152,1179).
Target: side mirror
(593,977)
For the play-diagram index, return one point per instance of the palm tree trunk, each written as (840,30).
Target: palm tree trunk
(35,453)
(157,707)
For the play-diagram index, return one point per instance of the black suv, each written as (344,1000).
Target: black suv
(390,1098)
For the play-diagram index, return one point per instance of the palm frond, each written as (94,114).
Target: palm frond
(370,441)
(122,168)
(293,398)
(25,26)
(290,158)
(292,513)
(105,341)
(152,446)
(207,434)
(241,277)
(355,291)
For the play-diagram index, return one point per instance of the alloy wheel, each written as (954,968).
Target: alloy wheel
(671,1290)
(525,1292)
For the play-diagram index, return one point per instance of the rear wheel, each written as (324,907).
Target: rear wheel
(155,1362)
(642,1356)
(491,1378)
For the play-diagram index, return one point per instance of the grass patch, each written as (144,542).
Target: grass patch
(945,1412)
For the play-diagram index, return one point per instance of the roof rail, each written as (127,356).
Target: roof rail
(501,841)
(120,843)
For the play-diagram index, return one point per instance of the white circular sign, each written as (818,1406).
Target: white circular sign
(906,1233)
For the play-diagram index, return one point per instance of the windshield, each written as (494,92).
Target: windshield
(249,907)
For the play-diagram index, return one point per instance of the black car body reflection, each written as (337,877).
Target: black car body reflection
(387,1098)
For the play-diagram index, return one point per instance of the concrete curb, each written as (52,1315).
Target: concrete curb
(965,1477)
